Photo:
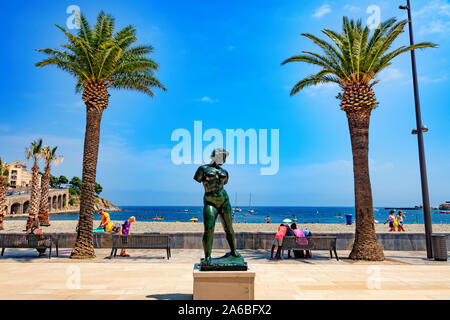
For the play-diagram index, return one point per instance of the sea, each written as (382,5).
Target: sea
(276,214)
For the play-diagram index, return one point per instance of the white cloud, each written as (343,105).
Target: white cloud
(351,8)
(436,7)
(321,88)
(323,10)
(433,18)
(208,100)
(427,79)
(391,74)
(437,26)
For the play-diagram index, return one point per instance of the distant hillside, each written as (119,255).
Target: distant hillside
(100,203)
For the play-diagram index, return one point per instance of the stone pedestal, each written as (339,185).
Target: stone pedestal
(223,285)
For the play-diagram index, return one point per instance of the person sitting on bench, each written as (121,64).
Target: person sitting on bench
(34,230)
(300,233)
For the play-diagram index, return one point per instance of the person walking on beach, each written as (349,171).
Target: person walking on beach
(267,219)
(391,220)
(278,242)
(400,218)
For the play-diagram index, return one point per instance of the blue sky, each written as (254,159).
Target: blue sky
(220,61)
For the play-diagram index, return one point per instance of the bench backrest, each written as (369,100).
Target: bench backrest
(23,240)
(141,241)
(12,239)
(314,242)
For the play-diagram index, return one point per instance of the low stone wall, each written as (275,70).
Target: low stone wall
(256,240)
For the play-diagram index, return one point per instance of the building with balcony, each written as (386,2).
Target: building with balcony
(19,177)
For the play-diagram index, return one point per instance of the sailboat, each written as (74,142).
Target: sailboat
(250,210)
(236,208)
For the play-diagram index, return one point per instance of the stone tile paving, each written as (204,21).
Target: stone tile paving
(149,275)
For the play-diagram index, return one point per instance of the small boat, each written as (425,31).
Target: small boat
(236,208)
(186,210)
(444,212)
(250,205)
(247,214)
(158,218)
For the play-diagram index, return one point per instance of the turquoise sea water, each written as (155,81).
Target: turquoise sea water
(276,214)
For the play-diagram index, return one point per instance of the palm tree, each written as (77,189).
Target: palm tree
(34,151)
(100,59)
(352,60)
(50,158)
(4,172)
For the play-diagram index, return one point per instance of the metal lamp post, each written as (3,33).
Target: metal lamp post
(419,131)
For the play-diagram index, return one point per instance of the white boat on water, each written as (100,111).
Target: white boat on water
(250,205)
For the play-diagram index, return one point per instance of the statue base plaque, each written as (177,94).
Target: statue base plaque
(223,285)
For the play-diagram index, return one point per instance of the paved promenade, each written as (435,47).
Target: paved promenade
(148,275)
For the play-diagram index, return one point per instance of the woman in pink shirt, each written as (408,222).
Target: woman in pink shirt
(278,241)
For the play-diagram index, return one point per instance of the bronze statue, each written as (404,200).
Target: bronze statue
(216,203)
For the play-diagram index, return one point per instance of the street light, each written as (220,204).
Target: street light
(419,131)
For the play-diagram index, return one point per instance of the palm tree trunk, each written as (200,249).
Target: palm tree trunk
(34,201)
(44,217)
(84,247)
(366,246)
(3,189)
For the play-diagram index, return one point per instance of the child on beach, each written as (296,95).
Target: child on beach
(278,241)
(391,220)
(125,230)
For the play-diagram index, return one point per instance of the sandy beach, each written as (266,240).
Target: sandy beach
(69,226)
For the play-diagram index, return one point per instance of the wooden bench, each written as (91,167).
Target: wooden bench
(314,243)
(141,241)
(26,241)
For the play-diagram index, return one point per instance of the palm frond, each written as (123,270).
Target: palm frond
(356,55)
(101,55)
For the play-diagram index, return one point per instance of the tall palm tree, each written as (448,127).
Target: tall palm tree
(100,59)
(34,151)
(50,158)
(4,172)
(352,60)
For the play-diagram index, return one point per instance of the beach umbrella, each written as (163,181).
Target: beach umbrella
(287,220)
